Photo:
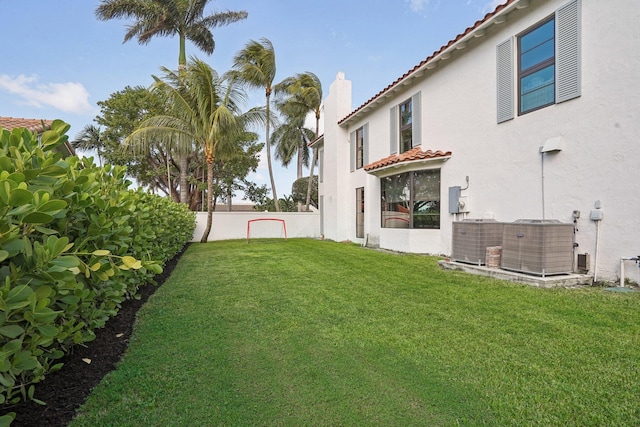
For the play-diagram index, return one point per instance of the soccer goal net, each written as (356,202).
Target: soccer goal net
(266,227)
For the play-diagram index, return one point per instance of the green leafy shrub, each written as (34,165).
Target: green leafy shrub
(75,242)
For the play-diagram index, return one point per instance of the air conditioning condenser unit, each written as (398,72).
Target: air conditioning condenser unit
(471,237)
(540,247)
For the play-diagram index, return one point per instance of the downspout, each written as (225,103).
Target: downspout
(596,215)
(595,258)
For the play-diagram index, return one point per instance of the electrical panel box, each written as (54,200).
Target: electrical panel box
(457,202)
(454,199)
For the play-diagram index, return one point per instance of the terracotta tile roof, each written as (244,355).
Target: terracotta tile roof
(34,125)
(459,37)
(408,156)
(315,141)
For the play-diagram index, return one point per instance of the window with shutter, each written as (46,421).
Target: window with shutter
(548,64)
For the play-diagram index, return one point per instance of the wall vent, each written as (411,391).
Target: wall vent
(584,263)
(540,247)
(471,237)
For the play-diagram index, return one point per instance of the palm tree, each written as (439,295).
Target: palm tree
(255,66)
(89,138)
(205,109)
(291,138)
(184,18)
(305,95)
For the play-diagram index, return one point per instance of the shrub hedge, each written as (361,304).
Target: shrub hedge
(75,242)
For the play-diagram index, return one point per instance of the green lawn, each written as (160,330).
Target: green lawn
(316,333)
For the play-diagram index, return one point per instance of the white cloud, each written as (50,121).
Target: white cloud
(71,97)
(417,5)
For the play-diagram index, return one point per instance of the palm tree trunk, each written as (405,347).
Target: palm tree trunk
(184,189)
(207,230)
(313,162)
(182,55)
(299,172)
(268,145)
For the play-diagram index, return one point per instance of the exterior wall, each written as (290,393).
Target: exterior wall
(598,160)
(233,225)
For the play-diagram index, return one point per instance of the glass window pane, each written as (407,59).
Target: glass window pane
(405,114)
(538,36)
(406,136)
(538,89)
(544,77)
(426,199)
(395,193)
(538,98)
(537,55)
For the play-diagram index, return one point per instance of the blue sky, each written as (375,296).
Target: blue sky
(58,60)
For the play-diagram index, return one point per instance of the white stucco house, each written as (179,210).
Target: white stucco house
(531,113)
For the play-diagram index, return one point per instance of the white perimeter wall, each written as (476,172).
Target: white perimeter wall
(233,225)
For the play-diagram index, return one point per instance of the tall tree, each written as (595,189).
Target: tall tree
(184,18)
(119,116)
(305,94)
(205,109)
(90,138)
(255,66)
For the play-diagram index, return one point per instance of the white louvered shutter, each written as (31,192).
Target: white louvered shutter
(568,51)
(416,117)
(393,125)
(352,150)
(365,144)
(504,81)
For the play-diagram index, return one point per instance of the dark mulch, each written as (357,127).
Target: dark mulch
(64,391)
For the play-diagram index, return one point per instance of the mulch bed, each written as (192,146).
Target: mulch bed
(65,390)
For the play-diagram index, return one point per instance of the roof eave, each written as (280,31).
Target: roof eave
(318,141)
(407,166)
(499,16)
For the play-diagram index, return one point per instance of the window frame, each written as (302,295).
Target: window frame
(410,209)
(360,212)
(539,66)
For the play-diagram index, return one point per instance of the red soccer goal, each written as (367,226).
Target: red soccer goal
(284,225)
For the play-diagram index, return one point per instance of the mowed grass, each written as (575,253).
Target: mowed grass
(317,333)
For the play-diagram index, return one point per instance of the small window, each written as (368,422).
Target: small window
(537,67)
(360,212)
(406,131)
(360,148)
